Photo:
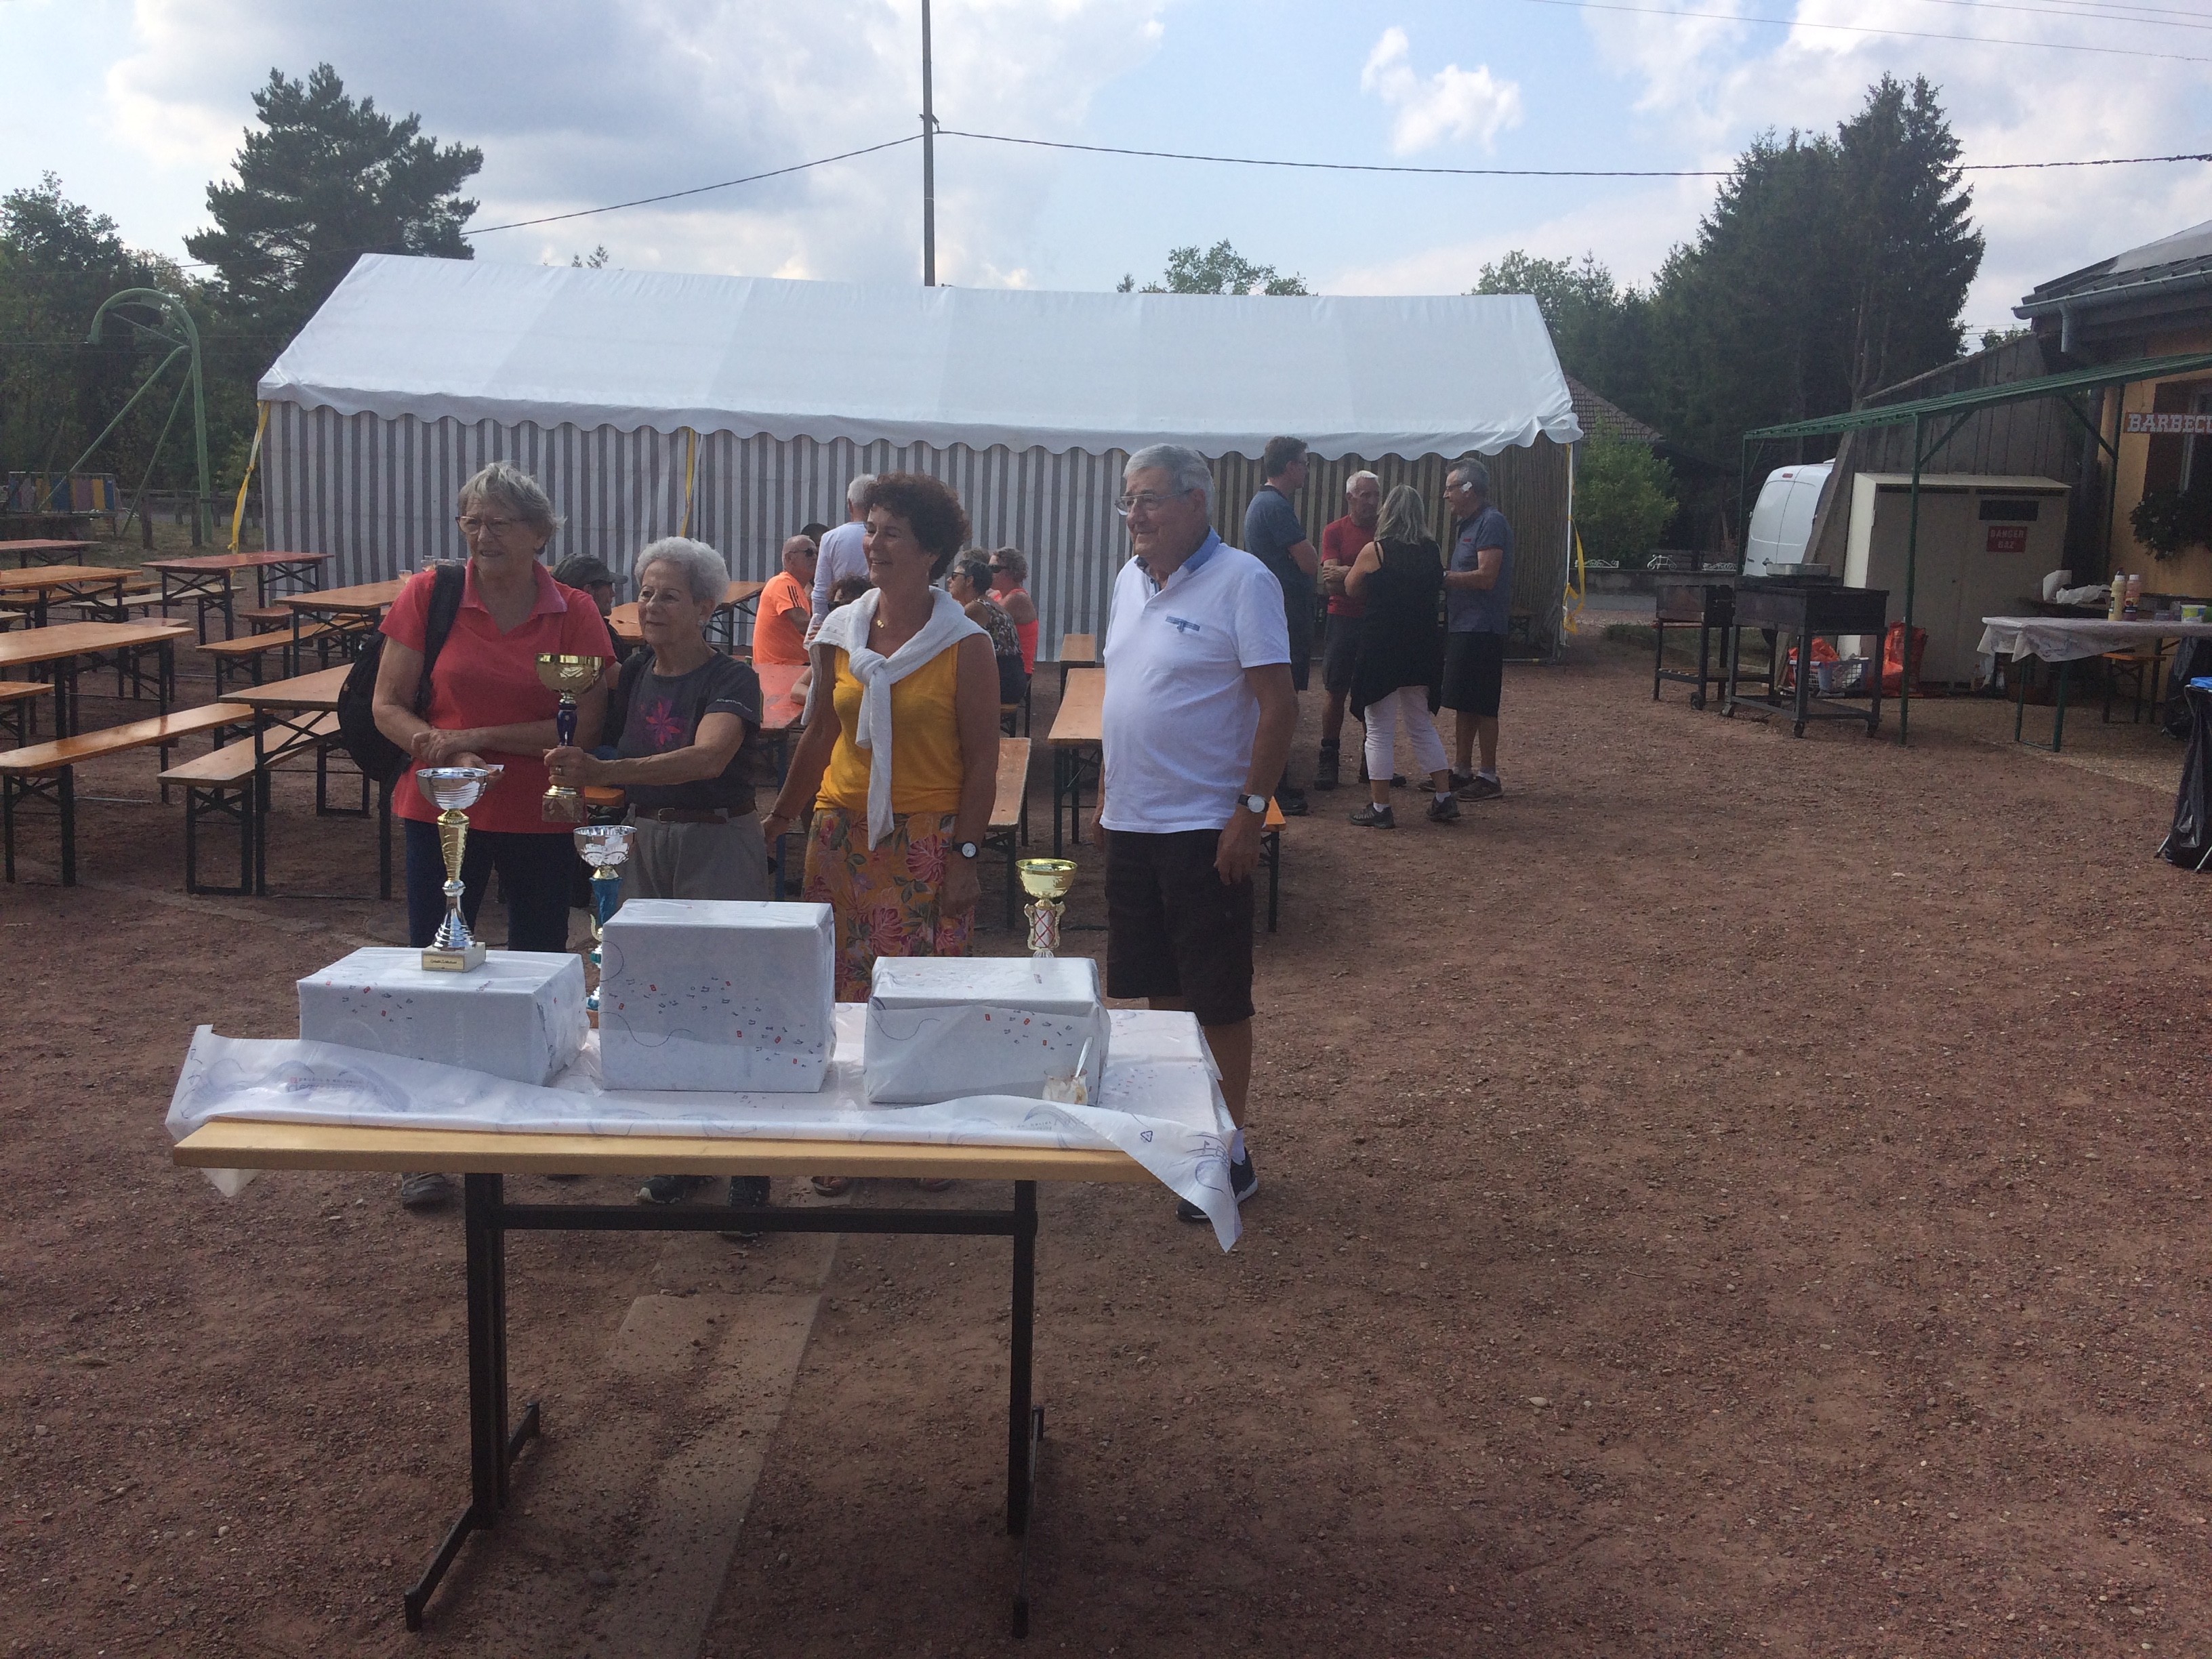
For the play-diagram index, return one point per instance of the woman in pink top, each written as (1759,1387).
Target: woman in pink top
(487,706)
(1009,570)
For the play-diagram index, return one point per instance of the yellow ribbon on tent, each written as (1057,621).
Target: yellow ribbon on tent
(1577,588)
(238,513)
(690,465)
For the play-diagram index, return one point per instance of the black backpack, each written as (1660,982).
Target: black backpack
(376,754)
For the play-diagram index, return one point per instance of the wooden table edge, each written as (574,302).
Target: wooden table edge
(239,1144)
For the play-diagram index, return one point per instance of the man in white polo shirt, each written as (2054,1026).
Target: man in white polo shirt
(842,554)
(1197,722)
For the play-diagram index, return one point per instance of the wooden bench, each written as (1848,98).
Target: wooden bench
(46,769)
(19,708)
(248,650)
(221,784)
(1010,814)
(1076,651)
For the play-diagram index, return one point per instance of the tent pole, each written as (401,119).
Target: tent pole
(928,164)
(1912,571)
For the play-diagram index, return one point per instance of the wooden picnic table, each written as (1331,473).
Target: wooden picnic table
(289,718)
(735,598)
(354,609)
(206,578)
(64,581)
(1076,733)
(60,647)
(45,552)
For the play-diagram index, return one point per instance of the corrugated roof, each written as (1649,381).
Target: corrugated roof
(2183,258)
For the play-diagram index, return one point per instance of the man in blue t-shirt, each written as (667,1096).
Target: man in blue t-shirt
(1478,610)
(1273,535)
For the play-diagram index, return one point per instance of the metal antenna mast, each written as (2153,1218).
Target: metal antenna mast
(928,164)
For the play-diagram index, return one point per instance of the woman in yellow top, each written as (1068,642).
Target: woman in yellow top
(900,754)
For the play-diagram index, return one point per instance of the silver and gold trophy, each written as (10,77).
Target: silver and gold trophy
(603,847)
(1046,881)
(568,675)
(453,790)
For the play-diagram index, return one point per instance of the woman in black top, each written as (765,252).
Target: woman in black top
(1399,670)
(969,582)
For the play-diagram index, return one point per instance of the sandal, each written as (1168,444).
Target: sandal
(833,1186)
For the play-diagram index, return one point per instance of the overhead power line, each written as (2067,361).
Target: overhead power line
(1516,172)
(1862,28)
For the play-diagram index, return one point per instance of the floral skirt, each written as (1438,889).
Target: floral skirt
(885,899)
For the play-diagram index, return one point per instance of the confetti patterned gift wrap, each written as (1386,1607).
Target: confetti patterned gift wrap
(716,994)
(942,1027)
(520,1015)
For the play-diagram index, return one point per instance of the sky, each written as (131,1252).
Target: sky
(137,103)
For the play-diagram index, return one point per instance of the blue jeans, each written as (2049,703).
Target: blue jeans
(534,873)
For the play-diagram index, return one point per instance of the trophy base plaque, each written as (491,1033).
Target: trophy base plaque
(438,959)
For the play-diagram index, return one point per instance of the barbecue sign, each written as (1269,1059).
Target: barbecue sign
(2169,425)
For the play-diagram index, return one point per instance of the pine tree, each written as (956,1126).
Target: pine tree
(327,180)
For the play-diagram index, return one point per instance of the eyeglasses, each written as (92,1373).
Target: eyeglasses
(996,569)
(1150,499)
(473,525)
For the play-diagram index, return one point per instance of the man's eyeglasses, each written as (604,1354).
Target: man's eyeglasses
(1150,499)
(473,525)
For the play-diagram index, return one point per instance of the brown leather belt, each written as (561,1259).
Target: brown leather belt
(687,815)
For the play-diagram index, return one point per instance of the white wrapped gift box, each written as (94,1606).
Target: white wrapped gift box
(719,994)
(519,1016)
(942,1027)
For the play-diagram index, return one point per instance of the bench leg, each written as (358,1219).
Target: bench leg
(67,780)
(7,821)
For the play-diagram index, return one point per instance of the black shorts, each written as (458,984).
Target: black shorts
(1173,930)
(1474,672)
(1340,650)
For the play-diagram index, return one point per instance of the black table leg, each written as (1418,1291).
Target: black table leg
(1018,1472)
(65,697)
(1804,677)
(1732,650)
(1705,660)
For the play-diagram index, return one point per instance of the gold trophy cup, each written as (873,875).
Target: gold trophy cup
(1046,881)
(568,675)
(453,790)
(603,847)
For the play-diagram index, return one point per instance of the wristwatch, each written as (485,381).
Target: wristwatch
(1255,805)
(967,849)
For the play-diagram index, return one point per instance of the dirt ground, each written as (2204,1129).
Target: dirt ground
(1734,1195)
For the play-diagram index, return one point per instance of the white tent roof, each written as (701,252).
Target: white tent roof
(1371,377)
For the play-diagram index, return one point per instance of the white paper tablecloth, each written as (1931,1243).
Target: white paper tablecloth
(2070,639)
(1161,1103)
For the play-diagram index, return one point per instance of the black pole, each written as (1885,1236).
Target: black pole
(928,164)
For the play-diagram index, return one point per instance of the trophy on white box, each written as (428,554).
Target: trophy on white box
(1046,881)
(603,847)
(453,790)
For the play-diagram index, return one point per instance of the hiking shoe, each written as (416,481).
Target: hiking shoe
(1479,787)
(746,1193)
(1292,801)
(664,1189)
(1445,810)
(1244,1181)
(1371,817)
(1459,781)
(425,1192)
(1325,767)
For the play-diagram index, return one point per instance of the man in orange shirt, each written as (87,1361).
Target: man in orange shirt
(779,625)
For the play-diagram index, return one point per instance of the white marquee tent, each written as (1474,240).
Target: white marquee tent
(734,408)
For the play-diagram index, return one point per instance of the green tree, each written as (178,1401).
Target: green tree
(1217,270)
(58,260)
(1624,497)
(327,178)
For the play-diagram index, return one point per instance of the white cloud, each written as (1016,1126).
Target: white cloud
(1453,103)
(580,102)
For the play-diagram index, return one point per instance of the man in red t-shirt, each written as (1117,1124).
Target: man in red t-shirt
(780,622)
(1340,542)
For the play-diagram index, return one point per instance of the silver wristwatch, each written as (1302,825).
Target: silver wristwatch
(1255,805)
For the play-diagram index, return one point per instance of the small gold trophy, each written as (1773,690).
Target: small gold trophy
(1046,881)
(603,847)
(453,790)
(568,675)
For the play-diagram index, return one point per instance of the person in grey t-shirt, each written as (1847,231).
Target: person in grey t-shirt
(1478,611)
(1273,535)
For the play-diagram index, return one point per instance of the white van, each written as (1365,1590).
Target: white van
(1782,522)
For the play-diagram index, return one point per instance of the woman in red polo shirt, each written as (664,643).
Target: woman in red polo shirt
(487,707)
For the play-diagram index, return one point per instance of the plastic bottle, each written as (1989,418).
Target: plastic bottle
(2135,598)
(2119,599)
